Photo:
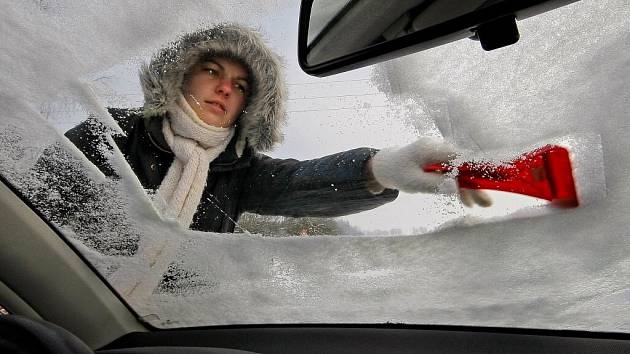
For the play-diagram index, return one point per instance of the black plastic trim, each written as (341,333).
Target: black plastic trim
(385,338)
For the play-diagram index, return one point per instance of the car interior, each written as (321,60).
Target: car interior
(52,300)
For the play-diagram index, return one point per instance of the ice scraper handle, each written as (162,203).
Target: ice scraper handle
(543,173)
(438,167)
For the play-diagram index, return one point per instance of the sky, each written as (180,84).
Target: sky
(507,266)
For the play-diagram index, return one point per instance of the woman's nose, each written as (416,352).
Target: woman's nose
(224,87)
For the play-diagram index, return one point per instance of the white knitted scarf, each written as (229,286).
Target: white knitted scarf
(195,145)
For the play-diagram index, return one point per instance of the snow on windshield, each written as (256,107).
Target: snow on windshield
(544,268)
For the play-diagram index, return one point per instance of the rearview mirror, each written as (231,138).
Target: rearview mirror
(341,35)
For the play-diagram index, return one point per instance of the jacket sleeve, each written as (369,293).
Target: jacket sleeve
(330,186)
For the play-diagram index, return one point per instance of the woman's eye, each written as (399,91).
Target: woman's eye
(242,89)
(211,72)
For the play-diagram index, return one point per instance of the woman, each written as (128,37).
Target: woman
(214,100)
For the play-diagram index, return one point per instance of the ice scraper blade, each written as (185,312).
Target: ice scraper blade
(544,173)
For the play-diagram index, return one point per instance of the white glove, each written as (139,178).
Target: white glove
(401,168)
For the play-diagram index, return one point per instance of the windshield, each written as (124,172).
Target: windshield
(381,256)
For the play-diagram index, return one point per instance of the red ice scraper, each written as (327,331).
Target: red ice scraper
(543,173)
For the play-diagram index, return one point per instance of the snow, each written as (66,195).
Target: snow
(514,265)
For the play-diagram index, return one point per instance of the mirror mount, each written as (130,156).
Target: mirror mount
(498,33)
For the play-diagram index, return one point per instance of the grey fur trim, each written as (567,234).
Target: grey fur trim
(260,125)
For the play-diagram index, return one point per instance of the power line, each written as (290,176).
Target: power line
(295,111)
(289,99)
(339,109)
(325,82)
(312,97)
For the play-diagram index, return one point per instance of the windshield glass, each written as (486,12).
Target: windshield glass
(300,234)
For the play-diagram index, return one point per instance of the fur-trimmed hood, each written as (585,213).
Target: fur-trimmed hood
(260,126)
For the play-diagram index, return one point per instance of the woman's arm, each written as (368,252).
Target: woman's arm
(334,185)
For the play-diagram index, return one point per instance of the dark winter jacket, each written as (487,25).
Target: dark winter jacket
(330,186)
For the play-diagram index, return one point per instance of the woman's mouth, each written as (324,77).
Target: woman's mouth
(216,107)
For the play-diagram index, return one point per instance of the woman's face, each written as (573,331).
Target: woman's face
(217,90)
